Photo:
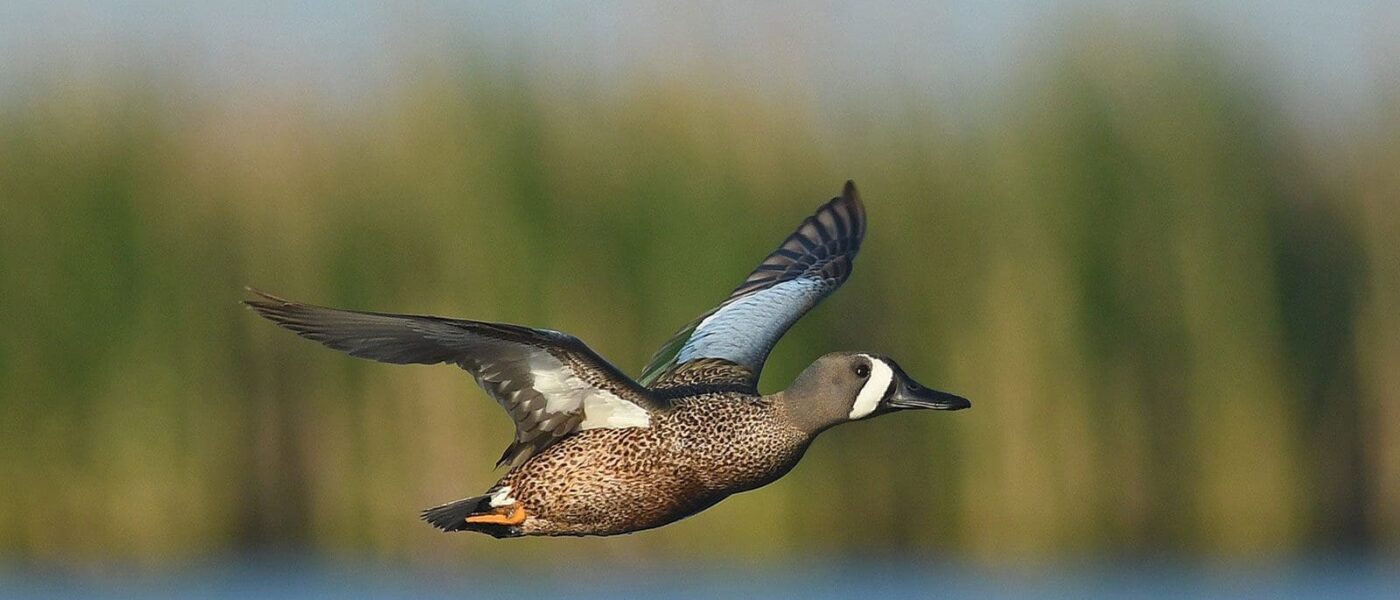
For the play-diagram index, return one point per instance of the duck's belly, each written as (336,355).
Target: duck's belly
(611,481)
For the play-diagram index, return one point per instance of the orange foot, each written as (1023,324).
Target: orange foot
(516,517)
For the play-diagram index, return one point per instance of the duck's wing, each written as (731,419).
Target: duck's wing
(551,383)
(728,345)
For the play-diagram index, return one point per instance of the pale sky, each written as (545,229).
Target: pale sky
(1327,61)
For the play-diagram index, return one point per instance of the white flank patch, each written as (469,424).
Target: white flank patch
(501,497)
(566,393)
(874,389)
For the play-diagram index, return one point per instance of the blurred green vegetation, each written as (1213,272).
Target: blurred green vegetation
(1178,316)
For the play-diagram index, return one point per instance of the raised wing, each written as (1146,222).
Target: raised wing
(729,344)
(550,382)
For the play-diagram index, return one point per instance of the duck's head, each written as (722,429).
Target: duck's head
(851,386)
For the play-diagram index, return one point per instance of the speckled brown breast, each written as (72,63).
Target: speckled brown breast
(610,481)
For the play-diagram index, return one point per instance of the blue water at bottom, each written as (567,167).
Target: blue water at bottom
(874,579)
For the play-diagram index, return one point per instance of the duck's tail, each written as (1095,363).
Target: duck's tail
(453,515)
(496,514)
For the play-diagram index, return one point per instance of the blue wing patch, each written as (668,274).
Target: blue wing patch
(737,330)
(809,265)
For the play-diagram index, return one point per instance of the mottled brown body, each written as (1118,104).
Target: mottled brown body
(611,481)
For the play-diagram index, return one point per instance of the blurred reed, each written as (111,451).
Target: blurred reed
(1178,320)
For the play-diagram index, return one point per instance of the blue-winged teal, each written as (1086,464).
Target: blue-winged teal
(597,453)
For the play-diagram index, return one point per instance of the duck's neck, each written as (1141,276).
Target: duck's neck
(804,413)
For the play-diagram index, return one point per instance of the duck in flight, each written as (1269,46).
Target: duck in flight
(598,453)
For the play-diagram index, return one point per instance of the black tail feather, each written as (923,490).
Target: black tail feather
(453,515)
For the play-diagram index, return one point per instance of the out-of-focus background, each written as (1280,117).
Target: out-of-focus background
(1158,247)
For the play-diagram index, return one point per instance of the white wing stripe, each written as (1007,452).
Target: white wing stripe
(565,393)
(603,409)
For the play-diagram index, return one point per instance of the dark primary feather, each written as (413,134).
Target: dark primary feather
(498,355)
(819,254)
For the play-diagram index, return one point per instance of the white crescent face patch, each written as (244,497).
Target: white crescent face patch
(874,389)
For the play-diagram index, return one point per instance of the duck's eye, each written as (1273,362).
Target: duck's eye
(862,371)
